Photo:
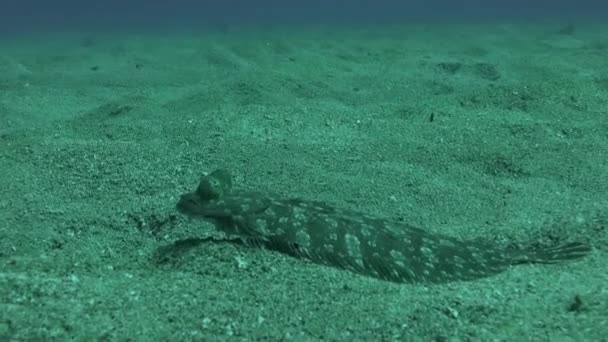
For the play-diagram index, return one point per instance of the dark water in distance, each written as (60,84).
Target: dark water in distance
(39,15)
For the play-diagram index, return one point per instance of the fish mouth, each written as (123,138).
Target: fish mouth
(190,205)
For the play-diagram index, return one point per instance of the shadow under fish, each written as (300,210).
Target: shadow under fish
(354,241)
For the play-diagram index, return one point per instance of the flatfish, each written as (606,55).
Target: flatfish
(354,241)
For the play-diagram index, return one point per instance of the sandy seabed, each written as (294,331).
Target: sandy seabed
(495,131)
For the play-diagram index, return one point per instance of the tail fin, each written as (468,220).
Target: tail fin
(553,254)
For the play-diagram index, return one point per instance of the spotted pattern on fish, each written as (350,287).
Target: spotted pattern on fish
(354,241)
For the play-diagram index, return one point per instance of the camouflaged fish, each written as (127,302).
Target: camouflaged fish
(350,240)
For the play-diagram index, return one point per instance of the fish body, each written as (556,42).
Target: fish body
(347,239)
